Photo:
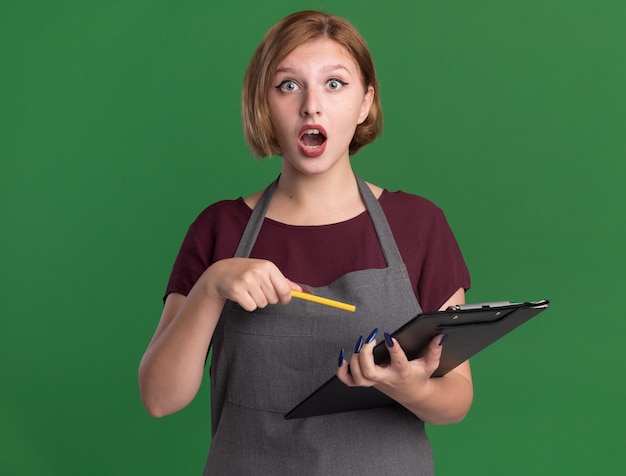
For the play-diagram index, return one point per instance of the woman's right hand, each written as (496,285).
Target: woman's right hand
(252,283)
(172,367)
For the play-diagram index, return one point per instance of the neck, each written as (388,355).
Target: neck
(328,187)
(316,199)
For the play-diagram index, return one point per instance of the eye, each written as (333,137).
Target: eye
(288,86)
(335,84)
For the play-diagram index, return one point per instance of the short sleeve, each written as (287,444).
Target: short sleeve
(444,270)
(428,247)
(189,265)
(214,235)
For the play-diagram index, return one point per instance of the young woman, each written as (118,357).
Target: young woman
(310,95)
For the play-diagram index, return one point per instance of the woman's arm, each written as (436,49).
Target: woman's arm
(435,400)
(171,370)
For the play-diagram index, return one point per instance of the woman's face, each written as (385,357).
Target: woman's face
(315,104)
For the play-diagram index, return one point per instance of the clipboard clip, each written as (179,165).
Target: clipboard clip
(480,305)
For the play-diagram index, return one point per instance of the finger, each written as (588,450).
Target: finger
(281,286)
(368,368)
(356,363)
(259,283)
(260,291)
(251,299)
(272,285)
(432,357)
(355,375)
(397,356)
(297,287)
(266,293)
(343,371)
(257,295)
(246,301)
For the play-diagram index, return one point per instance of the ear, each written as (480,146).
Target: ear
(368,99)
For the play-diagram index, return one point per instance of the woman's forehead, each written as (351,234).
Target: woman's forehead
(325,53)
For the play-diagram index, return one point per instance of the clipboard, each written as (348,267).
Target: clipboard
(470,328)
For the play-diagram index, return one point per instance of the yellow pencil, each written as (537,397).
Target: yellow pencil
(321,300)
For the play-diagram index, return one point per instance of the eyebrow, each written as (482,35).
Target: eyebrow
(326,69)
(334,67)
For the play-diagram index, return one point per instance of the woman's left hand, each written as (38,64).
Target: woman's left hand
(434,400)
(401,378)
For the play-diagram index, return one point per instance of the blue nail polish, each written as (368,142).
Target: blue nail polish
(341,354)
(372,336)
(388,340)
(443,338)
(359,344)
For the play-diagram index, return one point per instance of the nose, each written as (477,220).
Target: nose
(311,103)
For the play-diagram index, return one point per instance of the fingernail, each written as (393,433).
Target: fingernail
(388,340)
(443,338)
(372,336)
(359,344)
(341,354)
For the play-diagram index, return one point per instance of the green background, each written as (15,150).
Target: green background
(119,123)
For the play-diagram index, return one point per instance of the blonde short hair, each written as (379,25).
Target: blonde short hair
(278,42)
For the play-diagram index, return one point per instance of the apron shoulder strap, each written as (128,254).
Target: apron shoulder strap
(381,225)
(248,238)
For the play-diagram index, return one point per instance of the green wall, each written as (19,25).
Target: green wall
(119,122)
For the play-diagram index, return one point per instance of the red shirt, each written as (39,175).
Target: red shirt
(318,255)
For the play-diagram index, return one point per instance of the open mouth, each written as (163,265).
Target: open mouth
(312,140)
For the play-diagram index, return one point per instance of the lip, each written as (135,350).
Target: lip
(312,151)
